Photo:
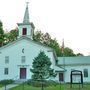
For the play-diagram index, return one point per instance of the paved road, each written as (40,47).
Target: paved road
(9,86)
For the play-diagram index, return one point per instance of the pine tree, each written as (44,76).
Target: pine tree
(42,68)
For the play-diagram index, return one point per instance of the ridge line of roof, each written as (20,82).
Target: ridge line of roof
(74,57)
(24,37)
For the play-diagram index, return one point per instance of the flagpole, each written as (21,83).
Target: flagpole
(63,53)
(63,59)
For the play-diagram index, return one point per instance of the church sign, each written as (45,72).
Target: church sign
(76,77)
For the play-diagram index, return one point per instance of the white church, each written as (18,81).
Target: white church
(16,57)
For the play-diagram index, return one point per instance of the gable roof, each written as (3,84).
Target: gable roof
(80,60)
(24,37)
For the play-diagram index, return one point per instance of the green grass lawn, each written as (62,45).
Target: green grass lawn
(1,85)
(57,87)
(27,87)
(77,87)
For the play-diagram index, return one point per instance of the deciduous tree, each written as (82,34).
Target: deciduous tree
(1,34)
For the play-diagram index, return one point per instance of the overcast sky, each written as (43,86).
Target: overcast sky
(68,19)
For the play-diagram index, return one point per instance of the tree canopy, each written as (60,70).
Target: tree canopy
(68,52)
(1,34)
(11,36)
(47,40)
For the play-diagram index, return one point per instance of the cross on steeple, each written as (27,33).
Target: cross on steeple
(26,15)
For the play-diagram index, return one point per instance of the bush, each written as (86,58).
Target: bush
(51,82)
(46,83)
(34,83)
(9,81)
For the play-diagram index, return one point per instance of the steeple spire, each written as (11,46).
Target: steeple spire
(26,28)
(26,15)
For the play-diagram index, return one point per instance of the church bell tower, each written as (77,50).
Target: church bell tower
(26,28)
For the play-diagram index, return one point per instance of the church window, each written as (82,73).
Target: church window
(23,58)
(85,71)
(24,31)
(6,71)
(6,59)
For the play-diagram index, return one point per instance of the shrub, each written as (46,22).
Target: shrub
(34,83)
(8,81)
(46,83)
(51,82)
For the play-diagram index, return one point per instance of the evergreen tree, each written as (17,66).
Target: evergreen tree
(42,67)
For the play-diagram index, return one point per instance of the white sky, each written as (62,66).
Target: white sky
(68,19)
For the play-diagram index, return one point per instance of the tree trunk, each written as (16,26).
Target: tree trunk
(42,88)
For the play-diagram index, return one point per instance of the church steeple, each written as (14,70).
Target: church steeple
(26,28)
(26,15)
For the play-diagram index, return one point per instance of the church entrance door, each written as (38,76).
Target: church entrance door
(22,73)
